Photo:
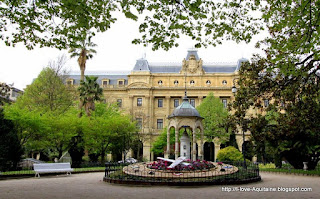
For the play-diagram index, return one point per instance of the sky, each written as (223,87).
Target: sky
(115,52)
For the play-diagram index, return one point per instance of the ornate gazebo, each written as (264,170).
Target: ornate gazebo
(185,116)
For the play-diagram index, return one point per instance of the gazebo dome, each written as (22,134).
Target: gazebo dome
(185,110)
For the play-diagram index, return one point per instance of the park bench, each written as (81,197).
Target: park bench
(52,168)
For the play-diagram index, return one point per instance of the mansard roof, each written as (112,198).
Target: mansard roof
(113,76)
(141,65)
(192,52)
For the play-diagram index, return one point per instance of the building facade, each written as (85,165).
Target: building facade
(151,91)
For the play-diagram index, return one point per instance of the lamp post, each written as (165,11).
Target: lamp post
(244,126)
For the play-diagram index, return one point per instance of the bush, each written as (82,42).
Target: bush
(229,154)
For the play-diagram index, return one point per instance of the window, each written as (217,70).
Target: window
(159,123)
(225,103)
(176,82)
(139,123)
(266,103)
(192,82)
(224,82)
(193,102)
(121,83)
(160,82)
(208,82)
(160,102)
(119,102)
(176,103)
(139,101)
(105,83)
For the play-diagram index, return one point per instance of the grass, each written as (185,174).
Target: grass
(29,172)
(287,168)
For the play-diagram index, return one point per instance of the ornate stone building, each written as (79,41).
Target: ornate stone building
(151,92)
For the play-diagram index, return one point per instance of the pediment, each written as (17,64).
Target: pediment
(139,85)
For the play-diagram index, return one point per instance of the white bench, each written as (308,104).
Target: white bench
(52,168)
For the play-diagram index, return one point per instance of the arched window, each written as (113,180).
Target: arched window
(208,82)
(160,82)
(192,82)
(176,82)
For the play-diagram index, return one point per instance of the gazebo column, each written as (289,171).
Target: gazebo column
(201,145)
(194,146)
(166,155)
(176,150)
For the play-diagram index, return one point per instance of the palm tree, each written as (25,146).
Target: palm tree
(83,51)
(90,92)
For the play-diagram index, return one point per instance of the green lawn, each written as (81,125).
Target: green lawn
(27,172)
(287,168)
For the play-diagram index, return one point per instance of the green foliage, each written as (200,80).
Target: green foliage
(28,124)
(44,117)
(290,126)
(47,93)
(90,92)
(107,129)
(59,23)
(204,21)
(60,130)
(10,147)
(215,118)
(84,51)
(161,141)
(229,154)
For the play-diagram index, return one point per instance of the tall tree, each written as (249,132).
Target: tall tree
(107,126)
(215,117)
(61,129)
(290,123)
(84,51)
(47,93)
(37,114)
(90,92)
(11,150)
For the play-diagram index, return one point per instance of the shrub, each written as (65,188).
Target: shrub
(229,154)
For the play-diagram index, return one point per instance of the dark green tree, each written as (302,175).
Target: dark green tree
(11,150)
(289,123)
(90,92)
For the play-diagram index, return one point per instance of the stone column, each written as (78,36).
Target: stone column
(168,144)
(176,150)
(194,148)
(216,150)
(201,145)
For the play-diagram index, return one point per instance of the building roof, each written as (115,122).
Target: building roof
(142,65)
(185,110)
(113,76)
(192,52)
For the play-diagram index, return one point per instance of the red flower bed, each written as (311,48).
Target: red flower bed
(192,165)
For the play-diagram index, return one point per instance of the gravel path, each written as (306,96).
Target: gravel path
(90,185)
